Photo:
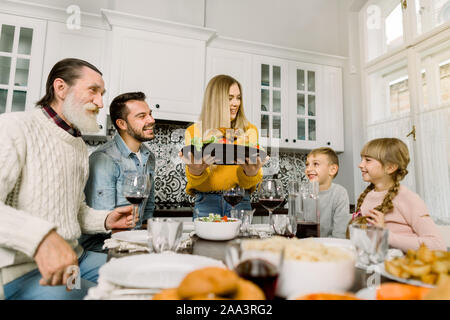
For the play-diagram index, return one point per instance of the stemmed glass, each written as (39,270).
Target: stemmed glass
(136,188)
(271,195)
(234,195)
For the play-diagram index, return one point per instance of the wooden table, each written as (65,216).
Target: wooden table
(217,249)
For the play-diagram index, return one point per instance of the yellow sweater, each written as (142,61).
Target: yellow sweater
(219,177)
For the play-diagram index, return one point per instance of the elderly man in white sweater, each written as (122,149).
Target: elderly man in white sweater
(43,171)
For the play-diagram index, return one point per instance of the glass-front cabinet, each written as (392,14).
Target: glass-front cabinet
(305,99)
(271,100)
(21,53)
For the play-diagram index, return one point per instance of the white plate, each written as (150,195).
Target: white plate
(188,227)
(407,281)
(134,236)
(367,294)
(335,242)
(155,270)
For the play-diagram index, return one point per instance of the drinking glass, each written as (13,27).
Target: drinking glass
(234,195)
(371,244)
(308,218)
(164,234)
(271,196)
(260,267)
(246,217)
(136,188)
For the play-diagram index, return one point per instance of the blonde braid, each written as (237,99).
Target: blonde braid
(360,219)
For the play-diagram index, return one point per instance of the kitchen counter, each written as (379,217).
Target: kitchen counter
(184,212)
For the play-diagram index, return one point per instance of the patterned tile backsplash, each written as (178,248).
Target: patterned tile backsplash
(170,179)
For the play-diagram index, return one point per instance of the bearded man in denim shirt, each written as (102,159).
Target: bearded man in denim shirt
(125,153)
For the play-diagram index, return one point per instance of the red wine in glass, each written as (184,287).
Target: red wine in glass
(260,272)
(233,199)
(135,200)
(306,229)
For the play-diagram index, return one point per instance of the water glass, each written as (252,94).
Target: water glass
(371,243)
(246,216)
(164,234)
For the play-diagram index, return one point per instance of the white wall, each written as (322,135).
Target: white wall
(302,24)
(182,11)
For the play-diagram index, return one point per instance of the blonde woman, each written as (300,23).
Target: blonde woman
(222,108)
(388,204)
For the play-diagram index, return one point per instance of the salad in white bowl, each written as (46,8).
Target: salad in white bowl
(215,227)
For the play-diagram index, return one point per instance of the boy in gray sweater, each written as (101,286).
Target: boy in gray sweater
(322,165)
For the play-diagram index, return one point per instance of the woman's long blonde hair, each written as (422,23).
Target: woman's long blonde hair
(216,106)
(387,151)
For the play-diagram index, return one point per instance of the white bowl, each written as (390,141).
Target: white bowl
(302,277)
(217,230)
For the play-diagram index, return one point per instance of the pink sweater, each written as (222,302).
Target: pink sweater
(409,223)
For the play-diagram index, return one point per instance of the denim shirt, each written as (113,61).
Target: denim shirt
(108,165)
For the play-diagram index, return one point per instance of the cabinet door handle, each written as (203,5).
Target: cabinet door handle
(100,126)
(294,140)
(157,106)
(328,143)
(286,140)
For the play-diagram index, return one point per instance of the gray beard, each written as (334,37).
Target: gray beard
(76,114)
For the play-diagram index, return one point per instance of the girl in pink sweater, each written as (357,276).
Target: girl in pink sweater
(387,204)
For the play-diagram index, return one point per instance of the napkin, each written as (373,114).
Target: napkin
(124,246)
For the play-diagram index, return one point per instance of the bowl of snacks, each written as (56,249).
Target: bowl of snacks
(215,227)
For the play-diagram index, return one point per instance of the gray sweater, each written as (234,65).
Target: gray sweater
(334,211)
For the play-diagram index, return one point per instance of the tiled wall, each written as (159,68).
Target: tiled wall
(170,180)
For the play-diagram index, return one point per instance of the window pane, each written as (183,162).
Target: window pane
(22,67)
(265,100)
(311,105)
(311,81)
(7,38)
(25,39)
(388,93)
(301,129)
(300,104)
(276,125)
(444,79)
(265,78)
(394,26)
(431,13)
(276,76)
(276,101)
(399,96)
(312,129)
(5,67)
(384,27)
(264,126)
(19,99)
(3,96)
(300,80)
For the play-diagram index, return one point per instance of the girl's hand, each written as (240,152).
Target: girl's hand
(376,218)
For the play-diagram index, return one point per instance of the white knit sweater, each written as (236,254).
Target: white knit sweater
(43,171)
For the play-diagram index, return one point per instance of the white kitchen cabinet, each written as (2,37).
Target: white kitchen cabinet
(169,70)
(21,53)
(87,43)
(270,100)
(332,109)
(297,105)
(237,65)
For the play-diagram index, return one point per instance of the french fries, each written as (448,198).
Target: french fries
(429,266)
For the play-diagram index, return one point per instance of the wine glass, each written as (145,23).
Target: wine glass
(136,188)
(234,195)
(271,195)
